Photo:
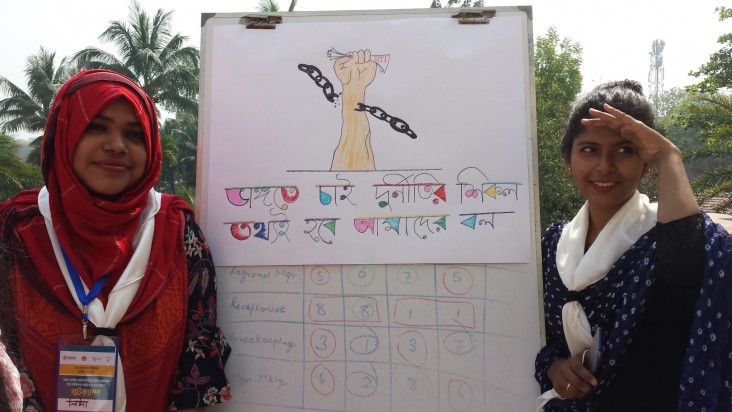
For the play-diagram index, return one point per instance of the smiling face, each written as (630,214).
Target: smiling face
(606,169)
(110,156)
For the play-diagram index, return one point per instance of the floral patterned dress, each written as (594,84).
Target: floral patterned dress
(200,379)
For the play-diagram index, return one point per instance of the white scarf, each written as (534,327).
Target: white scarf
(124,291)
(578,269)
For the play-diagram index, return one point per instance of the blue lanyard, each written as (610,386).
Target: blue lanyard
(84,299)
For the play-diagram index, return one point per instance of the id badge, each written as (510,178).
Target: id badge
(86,375)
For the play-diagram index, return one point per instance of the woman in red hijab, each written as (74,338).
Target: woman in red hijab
(98,219)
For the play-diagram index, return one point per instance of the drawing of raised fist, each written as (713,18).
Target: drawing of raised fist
(355,69)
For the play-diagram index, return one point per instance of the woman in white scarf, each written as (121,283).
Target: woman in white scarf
(607,151)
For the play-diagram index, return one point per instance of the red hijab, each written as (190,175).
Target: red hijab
(97,233)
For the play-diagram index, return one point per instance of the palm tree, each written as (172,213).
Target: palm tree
(23,111)
(150,54)
(271,6)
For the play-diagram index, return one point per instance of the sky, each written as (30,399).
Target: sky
(616,36)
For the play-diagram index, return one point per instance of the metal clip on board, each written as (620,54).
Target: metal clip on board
(261,21)
(468,16)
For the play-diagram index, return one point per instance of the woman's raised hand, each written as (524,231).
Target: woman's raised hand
(675,197)
(652,147)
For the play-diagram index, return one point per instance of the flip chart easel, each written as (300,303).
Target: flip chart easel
(407,284)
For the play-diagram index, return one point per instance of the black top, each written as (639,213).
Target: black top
(649,378)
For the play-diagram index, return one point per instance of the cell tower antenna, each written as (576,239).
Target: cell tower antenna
(655,73)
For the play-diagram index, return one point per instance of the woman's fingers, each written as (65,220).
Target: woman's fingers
(601,121)
(573,389)
(615,112)
(584,381)
(571,379)
(609,117)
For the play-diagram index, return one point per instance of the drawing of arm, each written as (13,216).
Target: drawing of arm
(356,71)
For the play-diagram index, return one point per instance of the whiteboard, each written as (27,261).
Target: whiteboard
(404,277)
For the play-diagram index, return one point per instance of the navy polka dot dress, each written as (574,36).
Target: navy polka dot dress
(618,302)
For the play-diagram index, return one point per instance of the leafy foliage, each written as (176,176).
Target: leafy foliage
(178,138)
(558,82)
(29,111)
(666,102)
(717,71)
(15,174)
(271,6)
(268,6)
(151,55)
(710,115)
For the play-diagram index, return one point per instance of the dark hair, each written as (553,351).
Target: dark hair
(624,95)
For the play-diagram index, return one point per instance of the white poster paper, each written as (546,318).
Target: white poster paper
(316,155)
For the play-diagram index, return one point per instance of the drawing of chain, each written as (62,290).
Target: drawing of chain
(319,80)
(396,123)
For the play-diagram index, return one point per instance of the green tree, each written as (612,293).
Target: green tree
(709,113)
(717,72)
(668,101)
(185,134)
(15,174)
(271,6)
(178,137)
(667,112)
(666,106)
(710,116)
(22,111)
(167,180)
(558,82)
(151,55)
